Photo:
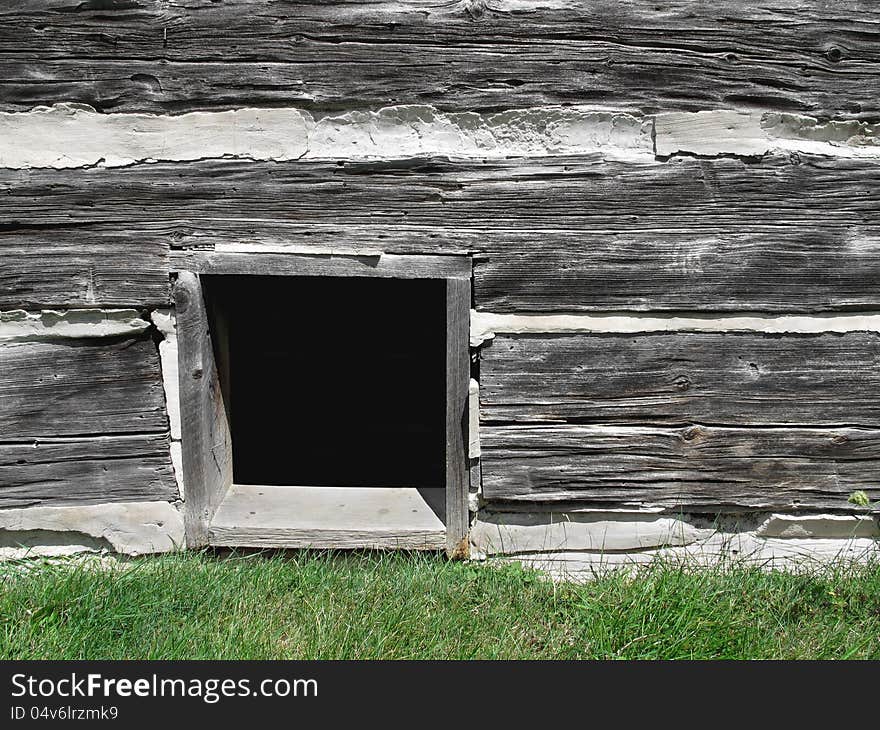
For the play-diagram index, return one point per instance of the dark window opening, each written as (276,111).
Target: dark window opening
(332,381)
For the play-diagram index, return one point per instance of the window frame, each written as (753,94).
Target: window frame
(206,442)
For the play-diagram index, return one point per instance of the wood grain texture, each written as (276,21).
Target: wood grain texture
(80,387)
(387,266)
(328,517)
(157,56)
(296,538)
(556,234)
(744,379)
(57,472)
(206,444)
(458,373)
(695,468)
(62,267)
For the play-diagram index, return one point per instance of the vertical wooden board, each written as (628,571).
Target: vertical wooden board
(458,300)
(206,438)
(80,387)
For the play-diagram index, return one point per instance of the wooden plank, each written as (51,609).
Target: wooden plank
(693,468)
(458,373)
(573,234)
(156,56)
(326,517)
(206,443)
(76,387)
(55,472)
(304,264)
(683,377)
(67,267)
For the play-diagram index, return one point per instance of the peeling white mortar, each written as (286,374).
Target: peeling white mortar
(507,533)
(75,135)
(484,325)
(166,323)
(72,135)
(415,131)
(18,324)
(798,555)
(579,545)
(474,419)
(758,133)
(133,528)
(819,526)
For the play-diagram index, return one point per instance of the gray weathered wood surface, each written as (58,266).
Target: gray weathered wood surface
(693,468)
(59,266)
(80,388)
(458,373)
(294,538)
(574,234)
(57,472)
(679,377)
(327,517)
(158,56)
(207,444)
(255,263)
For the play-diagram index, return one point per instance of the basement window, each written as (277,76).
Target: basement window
(327,410)
(335,382)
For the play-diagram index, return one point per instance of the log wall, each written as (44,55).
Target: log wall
(599,161)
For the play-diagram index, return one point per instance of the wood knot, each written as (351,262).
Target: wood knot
(839,439)
(682,382)
(691,433)
(475,9)
(197,373)
(833,54)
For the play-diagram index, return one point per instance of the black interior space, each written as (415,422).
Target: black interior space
(333,381)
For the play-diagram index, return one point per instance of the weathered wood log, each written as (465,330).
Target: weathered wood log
(86,471)
(696,468)
(677,378)
(155,56)
(80,388)
(62,267)
(563,234)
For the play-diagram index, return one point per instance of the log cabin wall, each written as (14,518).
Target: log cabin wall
(673,211)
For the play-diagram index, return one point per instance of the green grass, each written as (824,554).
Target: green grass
(399,606)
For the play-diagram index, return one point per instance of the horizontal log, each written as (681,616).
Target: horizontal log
(677,378)
(696,468)
(80,387)
(62,267)
(154,56)
(556,234)
(86,471)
